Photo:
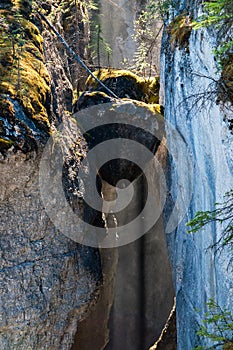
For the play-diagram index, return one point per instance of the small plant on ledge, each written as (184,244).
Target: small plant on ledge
(223,213)
(218,14)
(221,322)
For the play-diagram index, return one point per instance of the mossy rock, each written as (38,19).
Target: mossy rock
(180,30)
(22,7)
(16,127)
(126,84)
(5,144)
(88,99)
(228,346)
(152,107)
(7,114)
(23,73)
(226,81)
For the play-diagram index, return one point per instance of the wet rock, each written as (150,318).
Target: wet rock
(168,337)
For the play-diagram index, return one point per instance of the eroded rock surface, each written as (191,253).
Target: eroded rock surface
(205,138)
(48,282)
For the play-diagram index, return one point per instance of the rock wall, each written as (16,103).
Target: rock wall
(188,70)
(48,282)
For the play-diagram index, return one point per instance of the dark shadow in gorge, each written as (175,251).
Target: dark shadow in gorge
(143,296)
(140,296)
(93,331)
(143,289)
(137,293)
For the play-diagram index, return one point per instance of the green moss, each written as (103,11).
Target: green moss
(226,80)
(147,88)
(97,94)
(179,30)
(152,107)
(76,95)
(23,73)
(151,89)
(228,346)
(5,144)
(23,7)
(104,74)
(88,99)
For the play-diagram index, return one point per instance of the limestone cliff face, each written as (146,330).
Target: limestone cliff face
(48,282)
(187,70)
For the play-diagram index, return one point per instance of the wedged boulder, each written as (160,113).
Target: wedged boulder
(111,119)
(88,99)
(126,84)
(143,288)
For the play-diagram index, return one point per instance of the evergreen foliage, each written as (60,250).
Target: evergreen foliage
(219,14)
(223,213)
(221,322)
(148,29)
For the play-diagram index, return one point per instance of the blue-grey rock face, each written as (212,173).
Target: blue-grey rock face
(200,145)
